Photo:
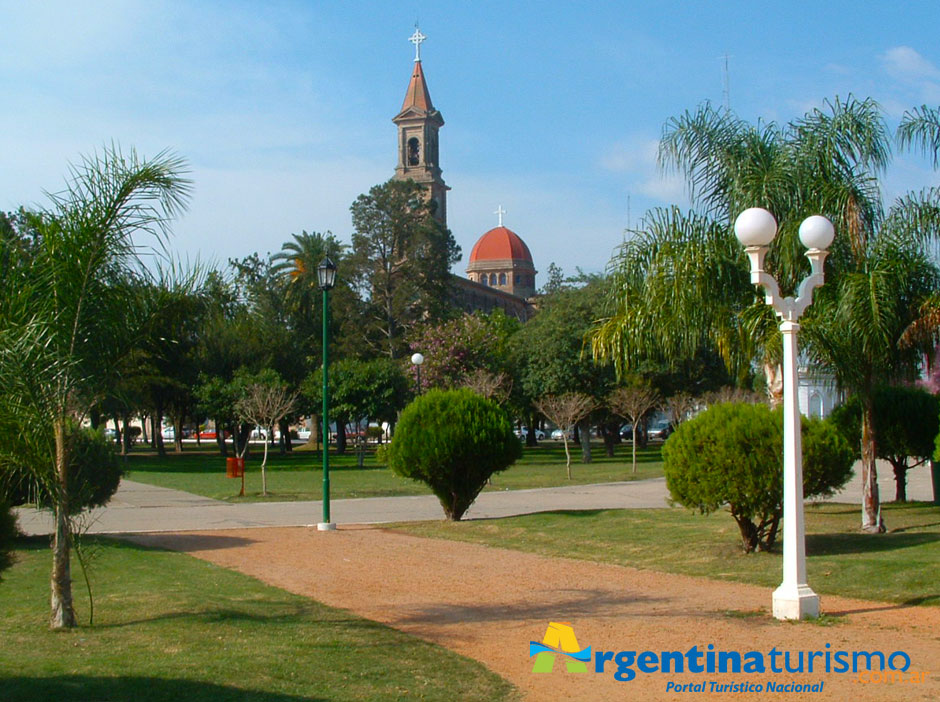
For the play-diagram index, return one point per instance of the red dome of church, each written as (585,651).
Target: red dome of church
(500,244)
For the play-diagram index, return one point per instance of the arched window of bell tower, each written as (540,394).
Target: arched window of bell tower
(414,151)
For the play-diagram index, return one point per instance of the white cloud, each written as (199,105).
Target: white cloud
(904,63)
(909,68)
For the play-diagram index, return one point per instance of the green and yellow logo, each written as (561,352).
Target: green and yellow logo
(559,640)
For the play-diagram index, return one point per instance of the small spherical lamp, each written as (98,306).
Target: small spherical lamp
(755,227)
(816,232)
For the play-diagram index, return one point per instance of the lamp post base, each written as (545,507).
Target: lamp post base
(795,602)
(326,526)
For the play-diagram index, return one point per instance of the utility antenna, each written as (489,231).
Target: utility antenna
(726,84)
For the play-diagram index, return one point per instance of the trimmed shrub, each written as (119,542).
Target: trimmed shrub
(94,474)
(453,441)
(732,455)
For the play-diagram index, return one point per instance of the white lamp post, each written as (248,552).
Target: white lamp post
(756,228)
(417,359)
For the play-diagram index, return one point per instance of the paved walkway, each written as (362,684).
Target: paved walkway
(138,507)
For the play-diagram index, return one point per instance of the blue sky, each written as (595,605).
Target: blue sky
(552,109)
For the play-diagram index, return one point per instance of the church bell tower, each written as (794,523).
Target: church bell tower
(418,123)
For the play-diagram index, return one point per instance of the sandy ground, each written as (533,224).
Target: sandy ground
(489,603)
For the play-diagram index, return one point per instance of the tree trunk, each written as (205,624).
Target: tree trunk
(286,442)
(567,454)
(610,437)
(900,480)
(340,436)
(749,540)
(63,614)
(126,436)
(264,463)
(178,434)
(530,439)
(585,441)
(872,522)
(634,447)
(158,431)
(220,438)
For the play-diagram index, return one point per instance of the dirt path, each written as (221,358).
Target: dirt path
(488,603)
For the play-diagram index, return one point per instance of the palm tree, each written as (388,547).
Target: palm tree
(76,312)
(681,283)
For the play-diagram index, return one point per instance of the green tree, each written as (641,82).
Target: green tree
(682,283)
(453,441)
(75,316)
(548,353)
(906,422)
(731,456)
(455,348)
(400,262)
(375,390)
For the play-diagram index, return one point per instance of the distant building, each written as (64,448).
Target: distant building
(501,273)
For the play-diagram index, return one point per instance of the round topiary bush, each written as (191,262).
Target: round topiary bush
(732,455)
(453,441)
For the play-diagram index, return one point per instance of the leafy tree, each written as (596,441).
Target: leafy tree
(453,441)
(400,261)
(732,455)
(376,390)
(906,421)
(548,352)
(74,317)
(566,411)
(455,348)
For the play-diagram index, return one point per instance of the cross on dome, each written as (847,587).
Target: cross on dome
(499,213)
(417,38)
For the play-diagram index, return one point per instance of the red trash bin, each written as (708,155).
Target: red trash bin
(234,467)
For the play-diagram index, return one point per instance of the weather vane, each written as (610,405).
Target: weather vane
(499,213)
(417,38)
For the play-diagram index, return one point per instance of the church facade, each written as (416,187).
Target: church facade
(500,272)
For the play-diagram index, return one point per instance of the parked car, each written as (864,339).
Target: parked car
(303,434)
(559,434)
(210,434)
(659,430)
(626,432)
(169,433)
(524,432)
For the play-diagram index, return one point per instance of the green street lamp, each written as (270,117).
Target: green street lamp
(326,277)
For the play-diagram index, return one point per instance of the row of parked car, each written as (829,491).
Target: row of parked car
(658,429)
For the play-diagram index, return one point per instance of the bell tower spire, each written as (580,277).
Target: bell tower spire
(418,123)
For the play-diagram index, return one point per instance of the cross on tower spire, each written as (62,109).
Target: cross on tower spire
(499,213)
(417,38)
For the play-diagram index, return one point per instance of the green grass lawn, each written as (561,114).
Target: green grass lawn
(298,476)
(171,627)
(900,566)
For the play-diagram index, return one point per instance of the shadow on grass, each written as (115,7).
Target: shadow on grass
(185,542)
(835,544)
(129,689)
